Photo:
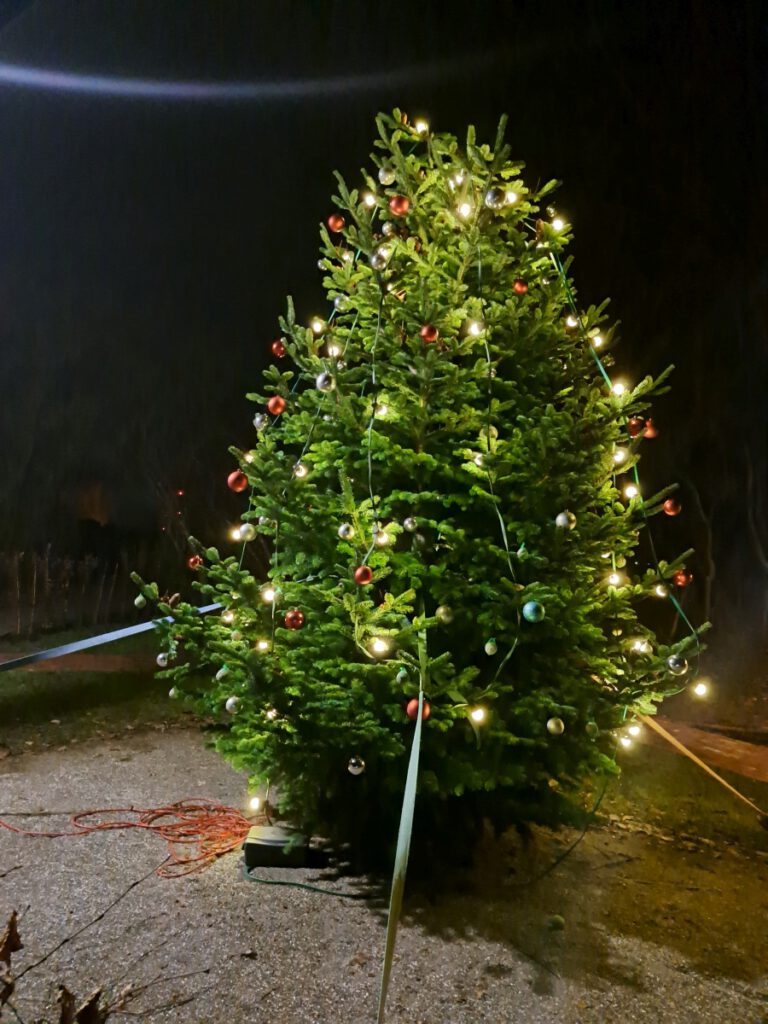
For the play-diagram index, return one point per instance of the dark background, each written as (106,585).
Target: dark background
(146,245)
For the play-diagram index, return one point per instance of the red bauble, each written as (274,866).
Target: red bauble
(672,507)
(682,578)
(336,222)
(276,405)
(412,709)
(519,287)
(429,333)
(278,348)
(650,430)
(399,205)
(237,481)
(363,575)
(294,619)
(635,425)
(194,562)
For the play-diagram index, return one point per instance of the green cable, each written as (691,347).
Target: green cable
(249,877)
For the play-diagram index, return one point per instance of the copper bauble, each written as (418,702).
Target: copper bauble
(335,222)
(635,425)
(363,575)
(412,709)
(519,287)
(294,619)
(399,205)
(194,562)
(278,348)
(237,481)
(429,333)
(650,429)
(672,507)
(276,405)
(682,578)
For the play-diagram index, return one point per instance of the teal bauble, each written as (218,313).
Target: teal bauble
(533,611)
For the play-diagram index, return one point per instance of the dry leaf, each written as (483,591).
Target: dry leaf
(9,940)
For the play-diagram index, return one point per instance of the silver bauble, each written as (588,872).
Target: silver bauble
(346,531)
(409,524)
(556,726)
(260,420)
(341,303)
(444,614)
(565,520)
(677,665)
(388,228)
(324,381)
(140,601)
(491,647)
(247,531)
(380,258)
(387,175)
(356,766)
(495,198)
(236,635)
(232,705)
(162,660)
(173,693)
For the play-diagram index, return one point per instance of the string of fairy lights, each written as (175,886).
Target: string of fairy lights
(468,210)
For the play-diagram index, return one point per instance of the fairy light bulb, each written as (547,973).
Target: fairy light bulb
(464,210)
(249,457)
(478,460)
(597,340)
(268,594)
(660,590)
(334,350)
(619,388)
(317,325)
(228,617)
(475,328)
(641,646)
(300,470)
(421,126)
(382,409)
(625,741)
(558,223)
(254,803)
(701,688)
(369,199)
(571,321)
(614,579)
(380,646)
(477,715)
(631,491)
(272,714)
(234,533)
(511,197)
(634,730)
(620,456)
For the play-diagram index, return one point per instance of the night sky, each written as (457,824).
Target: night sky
(147,244)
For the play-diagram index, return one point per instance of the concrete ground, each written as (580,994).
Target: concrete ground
(635,925)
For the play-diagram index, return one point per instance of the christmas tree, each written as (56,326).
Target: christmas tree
(444,477)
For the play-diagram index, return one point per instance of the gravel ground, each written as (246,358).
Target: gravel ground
(484,951)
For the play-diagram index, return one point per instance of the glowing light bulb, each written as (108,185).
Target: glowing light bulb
(268,594)
(249,457)
(334,350)
(571,321)
(511,197)
(300,470)
(619,455)
(464,210)
(380,646)
(317,325)
(631,491)
(234,533)
(634,730)
(272,714)
(625,741)
(347,256)
(369,199)
(558,223)
(421,126)
(477,714)
(381,538)
(475,328)
(228,617)
(660,590)
(254,803)
(641,645)
(597,340)
(478,460)
(618,387)
(701,688)
(262,645)
(614,579)
(382,409)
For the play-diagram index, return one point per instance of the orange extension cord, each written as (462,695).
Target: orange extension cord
(209,828)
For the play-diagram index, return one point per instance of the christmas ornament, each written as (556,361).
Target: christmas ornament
(635,425)
(399,205)
(444,614)
(341,303)
(533,611)
(380,257)
(591,729)
(429,333)
(677,665)
(162,660)
(247,531)
(324,381)
(236,635)
(556,726)
(260,421)
(346,531)
(650,430)
(237,481)
(387,175)
(194,562)
(565,520)
(491,647)
(409,524)
(232,704)
(140,601)
(335,222)
(495,198)
(682,578)
(173,693)
(276,405)
(294,619)
(356,766)
(412,709)
(519,287)
(388,229)
(363,575)
(672,507)
(278,348)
